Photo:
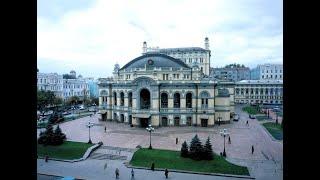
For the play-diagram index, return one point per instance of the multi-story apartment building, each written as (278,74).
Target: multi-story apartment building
(267,71)
(50,82)
(75,87)
(231,72)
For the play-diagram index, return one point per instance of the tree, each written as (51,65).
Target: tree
(44,99)
(207,150)
(50,137)
(95,100)
(73,100)
(196,148)
(184,149)
(57,101)
(68,76)
(56,118)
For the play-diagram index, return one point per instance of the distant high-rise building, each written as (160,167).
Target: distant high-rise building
(267,71)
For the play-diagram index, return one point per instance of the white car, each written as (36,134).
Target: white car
(236,117)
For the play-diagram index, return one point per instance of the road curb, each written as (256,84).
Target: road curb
(192,172)
(58,176)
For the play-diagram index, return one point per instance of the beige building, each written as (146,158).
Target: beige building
(259,92)
(161,90)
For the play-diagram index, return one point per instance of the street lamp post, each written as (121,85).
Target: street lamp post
(89,125)
(224,134)
(150,129)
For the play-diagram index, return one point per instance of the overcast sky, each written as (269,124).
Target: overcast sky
(91,36)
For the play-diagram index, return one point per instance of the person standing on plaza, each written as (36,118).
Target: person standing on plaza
(166,173)
(247,123)
(252,149)
(132,173)
(152,166)
(229,140)
(46,158)
(117,173)
(105,129)
(176,140)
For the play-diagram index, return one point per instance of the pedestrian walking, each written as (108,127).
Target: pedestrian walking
(176,140)
(229,140)
(152,166)
(46,158)
(117,173)
(132,173)
(247,123)
(166,172)
(105,129)
(252,149)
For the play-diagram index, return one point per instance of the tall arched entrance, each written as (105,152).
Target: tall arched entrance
(145,102)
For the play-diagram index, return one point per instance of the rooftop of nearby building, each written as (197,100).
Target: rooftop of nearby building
(260,82)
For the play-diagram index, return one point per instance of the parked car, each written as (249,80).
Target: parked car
(66,113)
(236,117)
(252,116)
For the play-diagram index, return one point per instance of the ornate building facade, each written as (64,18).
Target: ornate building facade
(259,92)
(161,90)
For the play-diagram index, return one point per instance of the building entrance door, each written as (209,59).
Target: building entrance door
(204,122)
(164,121)
(144,122)
(189,119)
(176,121)
(130,119)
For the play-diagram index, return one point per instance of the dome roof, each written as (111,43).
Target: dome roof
(155,60)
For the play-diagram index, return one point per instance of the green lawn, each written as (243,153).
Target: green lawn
(274,129)
(173,160)
(262,117)
(68,150)
(251,110)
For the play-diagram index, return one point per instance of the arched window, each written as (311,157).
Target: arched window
(164,100)
(130,99)
(121,99)
(145,99)
(188,100)
(176,100)
(115,98)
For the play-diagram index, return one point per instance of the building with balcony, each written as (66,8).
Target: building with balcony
(161,90)
(259,92)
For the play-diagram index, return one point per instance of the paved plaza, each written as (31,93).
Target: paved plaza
(264,163)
